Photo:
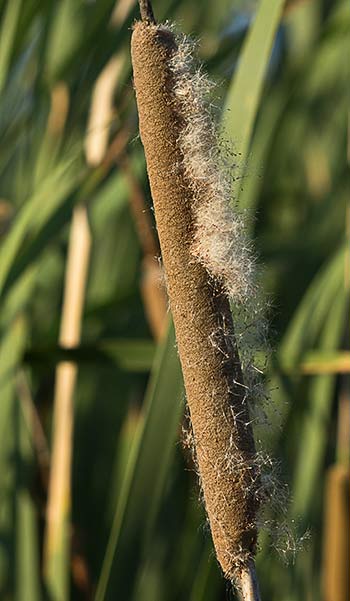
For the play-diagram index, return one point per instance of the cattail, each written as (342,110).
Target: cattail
(197,230)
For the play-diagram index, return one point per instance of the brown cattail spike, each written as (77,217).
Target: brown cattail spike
(216,393)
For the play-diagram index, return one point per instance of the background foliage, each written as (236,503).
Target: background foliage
(136,528)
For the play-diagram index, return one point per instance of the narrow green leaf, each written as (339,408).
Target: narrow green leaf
(11,350)
(145,476)
(244,94)
(315,427)
(27,543)
(261,142)
(35,212)
(321,362)
(67,25)
(312,310)
(7,34)
(207,580)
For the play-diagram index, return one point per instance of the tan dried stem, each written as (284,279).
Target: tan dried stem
(6,215)
(154,296)
(115,150)
(59,109)
(248,583)
(143,224)
(58,508)
(343,429)
(152,280)
(336,541)
(101,111)
(336,546)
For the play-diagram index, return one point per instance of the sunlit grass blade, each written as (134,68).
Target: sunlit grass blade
(35,213)
(315,427)
(66,23)
(262,139)
(312,310)
(314,436)
(325,362)
(244,94)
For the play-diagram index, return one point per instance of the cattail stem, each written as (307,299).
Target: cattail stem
(248,583)
(216,392)
(146,12)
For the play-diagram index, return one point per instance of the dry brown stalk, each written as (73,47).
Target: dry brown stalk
(336,535)
(101,111)
(154,296)
(143,224)
(115,150)
(59,109)
(215,389)
(343,430)
(152,281)
(58,508)
(6,214)
(336,540)
(79,567)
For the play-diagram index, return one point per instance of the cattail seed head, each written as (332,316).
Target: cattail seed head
(203,262)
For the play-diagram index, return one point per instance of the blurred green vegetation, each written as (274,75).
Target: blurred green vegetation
(137,527)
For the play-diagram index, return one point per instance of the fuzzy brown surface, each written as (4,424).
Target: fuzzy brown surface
(204,330)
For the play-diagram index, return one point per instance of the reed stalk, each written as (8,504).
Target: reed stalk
(101,111)
(57,535)
(100,118)
(216,391)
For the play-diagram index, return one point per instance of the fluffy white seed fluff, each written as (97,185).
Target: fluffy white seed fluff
(220,244)
(219,241)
